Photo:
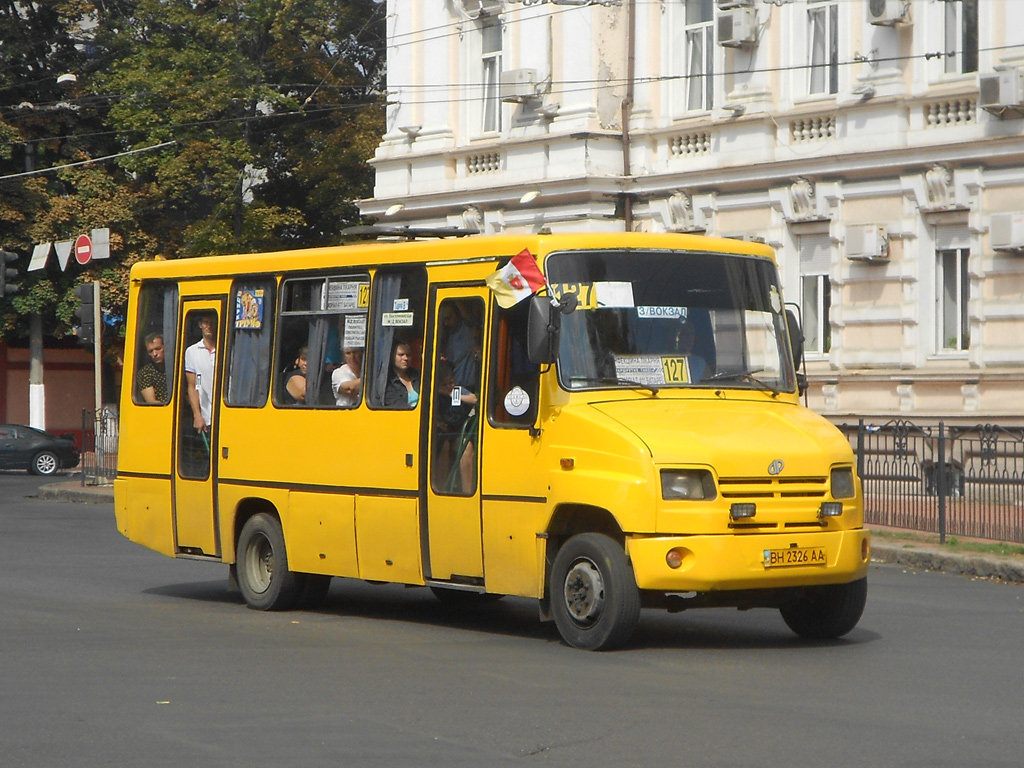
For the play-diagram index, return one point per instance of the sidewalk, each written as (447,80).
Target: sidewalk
(919,550)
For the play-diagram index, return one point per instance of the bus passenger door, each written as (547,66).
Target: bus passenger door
(453,522)
(195,453)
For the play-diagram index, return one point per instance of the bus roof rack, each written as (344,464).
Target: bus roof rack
(379,231)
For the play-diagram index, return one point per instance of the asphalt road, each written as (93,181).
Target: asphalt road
(111,655)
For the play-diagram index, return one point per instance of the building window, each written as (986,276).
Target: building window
(954,289)
(490,29)
(699,68)
(816,293)
(960,29)
(823,35)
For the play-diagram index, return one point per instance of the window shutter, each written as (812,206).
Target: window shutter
(952,238)
(815,254)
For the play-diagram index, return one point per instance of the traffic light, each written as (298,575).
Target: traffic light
(86,313)
(7,273)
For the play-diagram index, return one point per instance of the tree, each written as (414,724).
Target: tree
(260,99)
(227,127)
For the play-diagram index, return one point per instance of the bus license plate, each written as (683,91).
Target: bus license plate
(782,558)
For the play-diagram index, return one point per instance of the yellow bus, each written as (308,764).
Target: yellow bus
(597,421)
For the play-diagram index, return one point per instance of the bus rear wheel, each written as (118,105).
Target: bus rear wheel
(825,613)
(263,575)
(594,598)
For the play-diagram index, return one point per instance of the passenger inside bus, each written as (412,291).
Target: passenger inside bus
(152,378)
(347,380)
(403,385)
(295,380)
(455,420)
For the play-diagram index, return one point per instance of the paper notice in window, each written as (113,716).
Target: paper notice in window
(643,369)
(613,294)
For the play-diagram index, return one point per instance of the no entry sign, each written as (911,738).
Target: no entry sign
(83,249)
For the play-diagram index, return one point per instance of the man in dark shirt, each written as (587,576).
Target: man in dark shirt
(152,377)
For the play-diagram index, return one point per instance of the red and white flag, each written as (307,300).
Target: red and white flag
(517,280)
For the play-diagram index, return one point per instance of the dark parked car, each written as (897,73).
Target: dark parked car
(39,452)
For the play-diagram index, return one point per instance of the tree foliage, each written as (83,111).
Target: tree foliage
(225,127)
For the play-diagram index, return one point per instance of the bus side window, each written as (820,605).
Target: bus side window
(514,380)
(157,330)
(319,318)
(250,333)
(399,304)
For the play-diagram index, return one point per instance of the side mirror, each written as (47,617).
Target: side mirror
(796,337)
(542,330)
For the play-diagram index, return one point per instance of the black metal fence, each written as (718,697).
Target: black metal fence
(962,481)
(99,446)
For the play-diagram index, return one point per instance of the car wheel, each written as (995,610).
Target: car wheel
(263,576)
(594,598)
(44,463)
(824,613)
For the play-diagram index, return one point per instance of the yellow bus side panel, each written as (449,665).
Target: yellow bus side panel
(356,448)
(731,561)
(322,534)
(148,430)
(193,504)
(511,564)
(388,539)
(143,510)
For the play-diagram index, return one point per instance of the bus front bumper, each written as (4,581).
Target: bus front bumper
(748,561)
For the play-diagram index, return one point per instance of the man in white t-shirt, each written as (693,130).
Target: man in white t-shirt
(346,380)
(200,364)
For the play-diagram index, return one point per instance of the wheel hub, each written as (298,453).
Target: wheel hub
(260,564)
(584,592)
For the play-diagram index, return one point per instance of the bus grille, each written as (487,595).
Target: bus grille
(753,488)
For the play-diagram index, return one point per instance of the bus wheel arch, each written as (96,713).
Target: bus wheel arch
(593,595)
(572,524)
(261,564)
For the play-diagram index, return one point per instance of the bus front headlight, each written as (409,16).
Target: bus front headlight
(842,483)
(687,485)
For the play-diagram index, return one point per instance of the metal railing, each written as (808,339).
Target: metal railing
(99,446)
(960,481)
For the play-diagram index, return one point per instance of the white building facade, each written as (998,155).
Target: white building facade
(877,145)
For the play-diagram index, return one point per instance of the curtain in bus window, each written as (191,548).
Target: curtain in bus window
(316,351)
(170,330)
(249,368)
(387,290)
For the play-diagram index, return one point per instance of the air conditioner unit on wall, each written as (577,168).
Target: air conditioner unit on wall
(725,5)
(867,242)
(885,13)
(518,85)
(1006,232)
(737,28)
(1002,93)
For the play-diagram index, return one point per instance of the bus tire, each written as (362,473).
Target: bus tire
(828,612)
(594,598)
(263,575)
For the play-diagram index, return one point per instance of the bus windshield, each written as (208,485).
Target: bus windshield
(654,319)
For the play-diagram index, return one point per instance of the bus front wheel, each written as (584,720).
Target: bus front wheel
(594,598)
(263,575)
(825,613)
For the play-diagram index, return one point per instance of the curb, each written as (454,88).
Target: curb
(73,490)
(965,564)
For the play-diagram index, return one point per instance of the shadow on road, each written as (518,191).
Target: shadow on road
(715,629)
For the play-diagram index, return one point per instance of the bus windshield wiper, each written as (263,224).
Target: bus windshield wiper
(745,376)
(614,381)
